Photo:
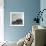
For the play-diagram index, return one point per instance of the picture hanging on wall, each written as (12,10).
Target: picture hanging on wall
(16,18)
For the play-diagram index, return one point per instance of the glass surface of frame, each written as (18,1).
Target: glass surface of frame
(16,18)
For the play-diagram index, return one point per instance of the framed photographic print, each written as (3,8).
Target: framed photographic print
(16,18)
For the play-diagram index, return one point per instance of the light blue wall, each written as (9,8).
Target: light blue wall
(29,7)
(43,6)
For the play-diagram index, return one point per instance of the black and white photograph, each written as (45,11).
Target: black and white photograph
(17,18)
